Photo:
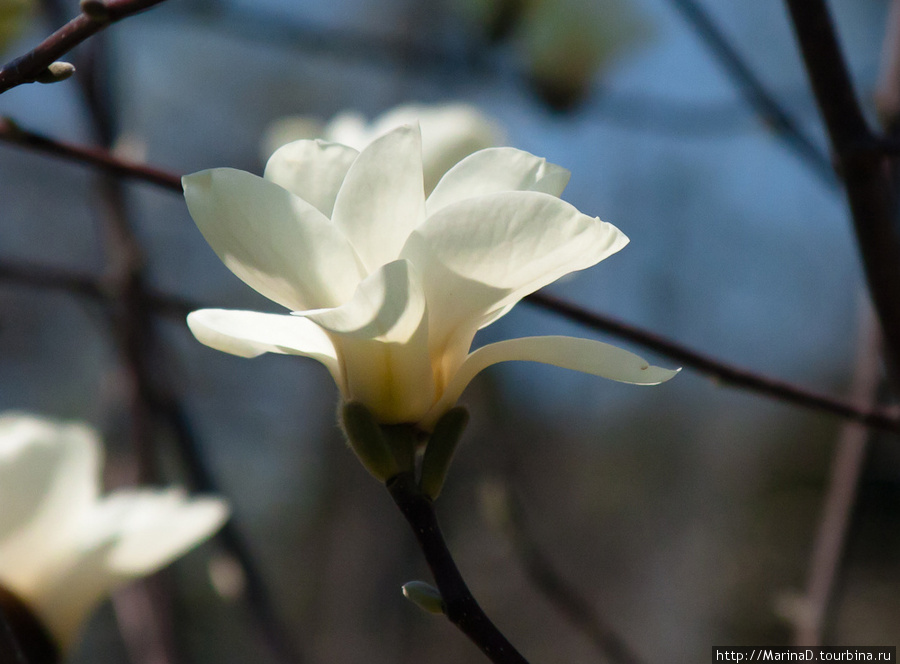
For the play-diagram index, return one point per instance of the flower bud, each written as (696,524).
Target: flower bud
(440,448)
(424,595)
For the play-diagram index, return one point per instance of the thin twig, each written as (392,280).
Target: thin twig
(551,583)
(256,594)
(30,66)
(460,606)
(866,177)
(104,160)
(849,457)
(755,91)
(144,609)
(732,375)
(728,374)
(89,286)
(887,94)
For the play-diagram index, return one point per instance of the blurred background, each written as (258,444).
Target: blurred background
(685,514)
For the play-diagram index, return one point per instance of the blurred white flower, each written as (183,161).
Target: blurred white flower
(388,288)
(63,548)
(450,132)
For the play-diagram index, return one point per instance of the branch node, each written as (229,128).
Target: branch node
(96,10)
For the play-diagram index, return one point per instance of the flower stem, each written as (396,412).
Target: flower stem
(461,608)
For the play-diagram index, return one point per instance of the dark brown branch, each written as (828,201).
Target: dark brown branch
(866,177)
(460,606)
(29,67)
(837,511)
(99,158)
(755,92)
(728,374)
(89,286)
(567,598)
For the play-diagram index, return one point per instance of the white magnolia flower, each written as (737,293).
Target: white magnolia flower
(63,548)
(449,133)
(388,288)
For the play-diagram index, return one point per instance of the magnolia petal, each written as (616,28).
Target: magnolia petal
(250,333)
(276,242)
(585,355)
(382,199)
(449,134)
(49,473)
(480,256)
(381,336)
(155,527)
(312,170)
(495,170)
(129,534)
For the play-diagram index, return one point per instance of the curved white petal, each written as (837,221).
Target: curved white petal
(449,133)
(274,241)
(585,355)
(129,534)
(382,199)
(381,336)
(250,333)
(480,256)
(312,170)
(495,170)
(49,474)
(155,527)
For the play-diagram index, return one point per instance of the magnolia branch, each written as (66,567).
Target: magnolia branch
(95,16)
(718,370)
(101,159)
(728,374)
(566,596)
(460,606)
(866,178)
(755,93)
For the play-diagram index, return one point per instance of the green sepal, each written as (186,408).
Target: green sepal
(440,448)
(368,441)
(425,596)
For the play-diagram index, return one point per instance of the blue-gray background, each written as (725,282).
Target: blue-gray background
(685,512)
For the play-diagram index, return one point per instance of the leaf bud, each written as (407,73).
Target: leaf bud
(56,72)
(424,595)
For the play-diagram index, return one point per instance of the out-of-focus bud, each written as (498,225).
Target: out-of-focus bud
(424,595)
(568,43)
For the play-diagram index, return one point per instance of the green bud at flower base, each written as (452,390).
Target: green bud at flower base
(440,448)
(368,441)
(425,596)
